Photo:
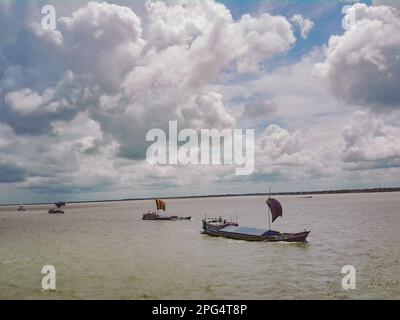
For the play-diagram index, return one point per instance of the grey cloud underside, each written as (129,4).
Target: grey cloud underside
(11,173)
(259,108)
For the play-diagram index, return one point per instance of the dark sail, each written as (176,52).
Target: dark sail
(59,204)
(275,207)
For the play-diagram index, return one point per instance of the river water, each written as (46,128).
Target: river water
(105,250)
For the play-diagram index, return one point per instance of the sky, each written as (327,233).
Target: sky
(77,101)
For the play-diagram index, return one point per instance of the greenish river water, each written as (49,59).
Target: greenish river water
(105,250)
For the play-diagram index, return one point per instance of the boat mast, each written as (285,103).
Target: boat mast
(269,219)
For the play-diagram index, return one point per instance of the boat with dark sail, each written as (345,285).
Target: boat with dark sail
(160,204)
(57,209)
(223,228)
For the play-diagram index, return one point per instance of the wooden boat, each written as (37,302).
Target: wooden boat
(56,211)
(219,228)
(252,234)
(156,216)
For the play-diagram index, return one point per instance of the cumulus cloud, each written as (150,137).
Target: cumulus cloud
(76,102)
(305,25)
(82,134)
(89,91)
(91,41)
(293,156)
(74,156)
(104,40)
(277,141)
(208,110)
(393,3)
(24,101)
(261,38)
(183,21)
(362,66)
(370,143)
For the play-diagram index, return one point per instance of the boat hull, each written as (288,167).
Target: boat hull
(154,217)
(56,211)
(282,237)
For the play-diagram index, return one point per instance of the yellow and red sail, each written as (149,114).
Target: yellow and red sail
(160,205)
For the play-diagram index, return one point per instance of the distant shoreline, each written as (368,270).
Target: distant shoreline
(305,193)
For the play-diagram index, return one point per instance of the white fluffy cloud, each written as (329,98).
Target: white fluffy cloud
(293,156)
(183,21)
(363,65)
(261,38)
(371,143)
(208,110)
(393,3)
(76,102)
(89,91)
(24,101)
(104,40)
(100,40)
(277,141)
(305,25)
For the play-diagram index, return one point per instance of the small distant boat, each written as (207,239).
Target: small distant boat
(304,195)
(156,216)
(219,228)
(55,211)
(21,208)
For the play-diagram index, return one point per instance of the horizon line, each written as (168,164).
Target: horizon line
(333,191)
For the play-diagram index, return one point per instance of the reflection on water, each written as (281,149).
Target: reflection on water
(106,251)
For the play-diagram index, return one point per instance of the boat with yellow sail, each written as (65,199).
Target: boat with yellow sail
(160,204)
